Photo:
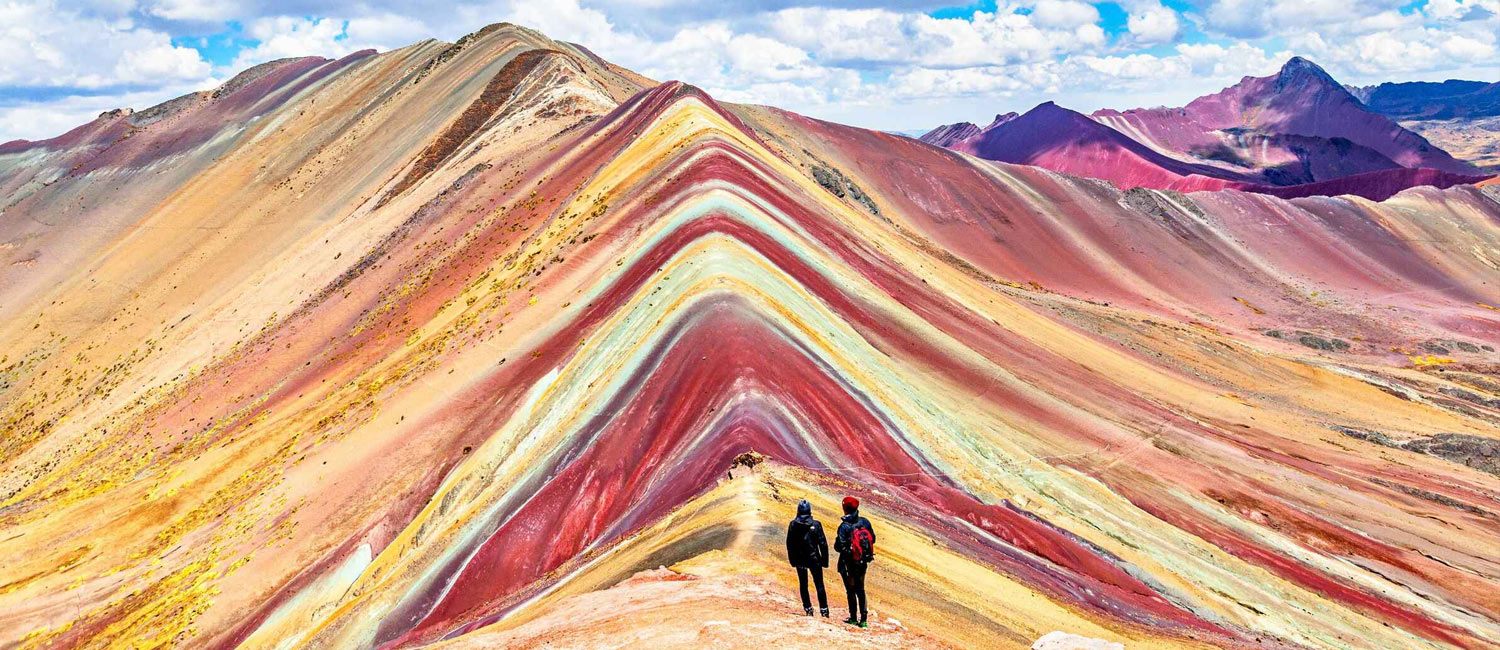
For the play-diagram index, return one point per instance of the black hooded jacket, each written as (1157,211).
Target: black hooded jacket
(841,541)
(806,545)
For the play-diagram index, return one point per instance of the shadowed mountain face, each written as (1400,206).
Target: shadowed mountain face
(1461,117)
(1422,100)
(495,344)
(1289,134)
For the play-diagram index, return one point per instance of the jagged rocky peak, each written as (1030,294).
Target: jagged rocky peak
(1001,118)
(1298,70)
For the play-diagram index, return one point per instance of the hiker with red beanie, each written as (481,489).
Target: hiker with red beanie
(855,543)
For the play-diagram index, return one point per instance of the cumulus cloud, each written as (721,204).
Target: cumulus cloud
(1063,14)
(1149,22)
(43,44)
(1463,10)
(850,58)
(1260,18)
(195,10)
(988,81)
(1236,60)
(1413,49)
(286,36)
(386,31)
(1208,63)
(877,36)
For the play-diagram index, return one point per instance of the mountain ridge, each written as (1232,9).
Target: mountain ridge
(1419,100)
(1298,127)
(443,344)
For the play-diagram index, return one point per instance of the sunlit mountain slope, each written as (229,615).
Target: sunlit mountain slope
(495,344)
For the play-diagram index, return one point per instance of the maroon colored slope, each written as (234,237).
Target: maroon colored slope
(1062,140)
(1301,99)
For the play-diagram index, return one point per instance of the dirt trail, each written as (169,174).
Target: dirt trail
(662,608)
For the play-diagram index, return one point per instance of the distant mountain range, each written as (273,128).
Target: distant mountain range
(1289,134)
(1461,117)
(1424,100)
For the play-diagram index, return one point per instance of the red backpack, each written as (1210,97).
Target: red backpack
(861,544)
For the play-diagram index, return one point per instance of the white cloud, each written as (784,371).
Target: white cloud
(765,58)
(991,81)
(836,36)
(1462,48)
(43,44)
(1384,54)
(1132,66)
(845,35)
(1195,68)
(1063,14)
(1258,18)
(1217,62)
(195,10)
(1371,40)
(287,36)
(1149,22)
(851,62)
(388,30)
(159,61)
(1461,10)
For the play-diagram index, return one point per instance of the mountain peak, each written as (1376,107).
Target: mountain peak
(1298,68)
(948,135)
(1051,111)
(1001,118)
(1048,108)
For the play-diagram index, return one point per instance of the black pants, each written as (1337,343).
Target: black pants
(854,586)
(817,577)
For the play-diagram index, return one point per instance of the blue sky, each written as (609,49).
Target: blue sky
(897,65)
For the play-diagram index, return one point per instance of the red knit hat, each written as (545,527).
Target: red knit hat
(851,504)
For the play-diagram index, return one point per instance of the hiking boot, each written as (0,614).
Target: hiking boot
(852,621)
(824,611)
(808,610)
(862,624)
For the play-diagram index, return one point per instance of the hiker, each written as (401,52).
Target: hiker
(855,543)
(807,549)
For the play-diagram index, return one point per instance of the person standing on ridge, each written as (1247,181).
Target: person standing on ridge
(807,549)
(855,543)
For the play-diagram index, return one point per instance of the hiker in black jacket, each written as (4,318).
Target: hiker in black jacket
(807,549)
(855,543)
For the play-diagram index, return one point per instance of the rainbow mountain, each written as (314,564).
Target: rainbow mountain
(1292,134)
(497,344)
